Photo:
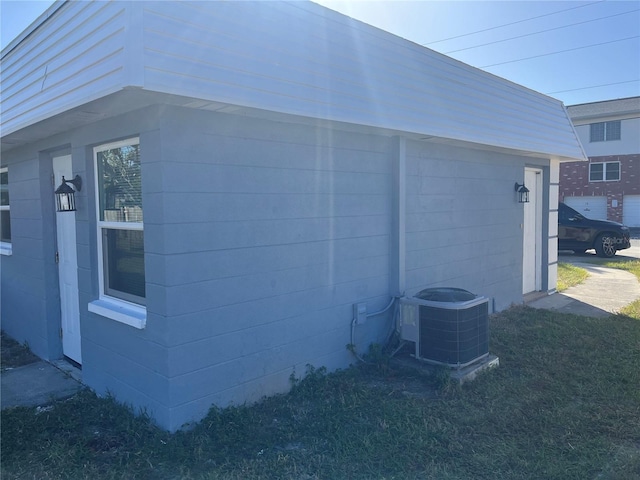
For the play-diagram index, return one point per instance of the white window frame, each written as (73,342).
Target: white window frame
(607,127)
(604,172)
(6,248)
(130,313)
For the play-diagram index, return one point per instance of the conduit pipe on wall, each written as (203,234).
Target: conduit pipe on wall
(397,257)
(354,322)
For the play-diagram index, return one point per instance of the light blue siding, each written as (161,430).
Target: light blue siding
(313,189)
(259,259)
(29,286)
(260,235)
(463,224)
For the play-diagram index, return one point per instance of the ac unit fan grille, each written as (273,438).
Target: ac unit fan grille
(454,337)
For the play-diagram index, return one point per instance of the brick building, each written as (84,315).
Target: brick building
(608,186)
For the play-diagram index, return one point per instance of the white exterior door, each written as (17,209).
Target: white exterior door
(590,207)
(631,210)
(67,268)
(532,233)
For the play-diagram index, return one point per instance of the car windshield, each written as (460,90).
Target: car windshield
(568,214)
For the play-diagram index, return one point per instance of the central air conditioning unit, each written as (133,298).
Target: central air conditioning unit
(449,326)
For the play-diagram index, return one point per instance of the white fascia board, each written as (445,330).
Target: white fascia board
(575,134)
(32,27)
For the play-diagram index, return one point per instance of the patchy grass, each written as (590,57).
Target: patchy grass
(564,404)
(570,275)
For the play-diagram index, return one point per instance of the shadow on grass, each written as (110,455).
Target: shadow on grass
(563,404)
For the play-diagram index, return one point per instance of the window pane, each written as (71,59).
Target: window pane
(124,264)
(4,188)
(5,226)
(595,172)
(120,185)
(613,130)
(597,132)
(613,171)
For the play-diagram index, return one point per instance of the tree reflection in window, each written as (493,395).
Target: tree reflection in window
(120,184)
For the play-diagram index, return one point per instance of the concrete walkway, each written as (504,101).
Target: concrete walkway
(605,292)
(37,384)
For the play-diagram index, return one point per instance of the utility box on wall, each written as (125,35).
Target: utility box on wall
(449,326)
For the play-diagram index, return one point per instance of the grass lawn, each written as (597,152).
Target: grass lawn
(570,275)
(563,404)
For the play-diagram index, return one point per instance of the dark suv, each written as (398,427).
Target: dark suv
(579,233)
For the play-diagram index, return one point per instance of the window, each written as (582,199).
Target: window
(120,225)
(605,131)
(604,172)
(5,216)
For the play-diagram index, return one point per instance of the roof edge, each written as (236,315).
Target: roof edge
(53,8)
(604,101)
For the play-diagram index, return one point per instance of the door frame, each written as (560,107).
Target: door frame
(532,232)
(67,265)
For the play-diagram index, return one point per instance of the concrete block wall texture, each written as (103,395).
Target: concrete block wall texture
(260,235)
(261,228)
(29,278)
(463,225)
(290,227)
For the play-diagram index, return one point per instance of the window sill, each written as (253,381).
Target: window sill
(6,249)
(132,315)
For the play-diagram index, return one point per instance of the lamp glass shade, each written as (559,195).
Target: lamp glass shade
(523,194)
(65,198)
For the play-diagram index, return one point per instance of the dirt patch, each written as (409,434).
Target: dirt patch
(14,354)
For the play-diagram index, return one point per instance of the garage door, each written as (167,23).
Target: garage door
(590,207)
(631,210)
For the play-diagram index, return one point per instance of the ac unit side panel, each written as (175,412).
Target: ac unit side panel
(409,321)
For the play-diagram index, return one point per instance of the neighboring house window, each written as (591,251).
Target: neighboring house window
(5,215)
(120,226)
(604,172)
(605,131)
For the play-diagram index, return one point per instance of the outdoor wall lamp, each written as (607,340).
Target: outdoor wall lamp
(65,195)
(523,193)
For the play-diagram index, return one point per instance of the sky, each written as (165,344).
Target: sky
(576,51)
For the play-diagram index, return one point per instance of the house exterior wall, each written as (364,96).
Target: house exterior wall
(575,182)
(263,227)
(463,223)
(265,235)
(574,176)
(131,363)
(116,358)
(28,304)
(628,144)
(260,236)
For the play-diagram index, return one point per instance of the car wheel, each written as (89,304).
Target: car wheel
(605,246)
